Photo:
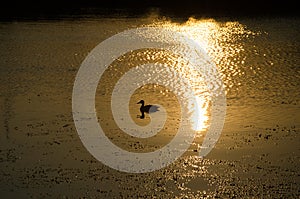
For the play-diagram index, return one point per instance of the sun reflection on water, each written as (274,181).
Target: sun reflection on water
(222,41)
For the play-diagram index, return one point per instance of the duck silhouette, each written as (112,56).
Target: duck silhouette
(147,109)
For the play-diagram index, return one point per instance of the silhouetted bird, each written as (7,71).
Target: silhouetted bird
(147,109)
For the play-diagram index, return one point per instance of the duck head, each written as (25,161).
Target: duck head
(141,102)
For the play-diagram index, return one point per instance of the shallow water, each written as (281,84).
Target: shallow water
(257,155)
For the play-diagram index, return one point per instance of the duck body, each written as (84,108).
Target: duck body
(146,108)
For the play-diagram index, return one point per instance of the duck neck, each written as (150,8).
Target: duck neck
(142,104)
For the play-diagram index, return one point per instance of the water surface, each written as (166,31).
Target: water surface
(257,154)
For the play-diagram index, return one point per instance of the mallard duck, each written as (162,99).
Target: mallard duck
(147,109)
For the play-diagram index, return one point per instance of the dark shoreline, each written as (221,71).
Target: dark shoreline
(55,10)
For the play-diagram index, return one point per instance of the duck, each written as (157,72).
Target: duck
(147,109)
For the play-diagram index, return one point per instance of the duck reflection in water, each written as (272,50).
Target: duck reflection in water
(147,109)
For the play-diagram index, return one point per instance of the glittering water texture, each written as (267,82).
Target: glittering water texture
(222,41)
(257,155)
